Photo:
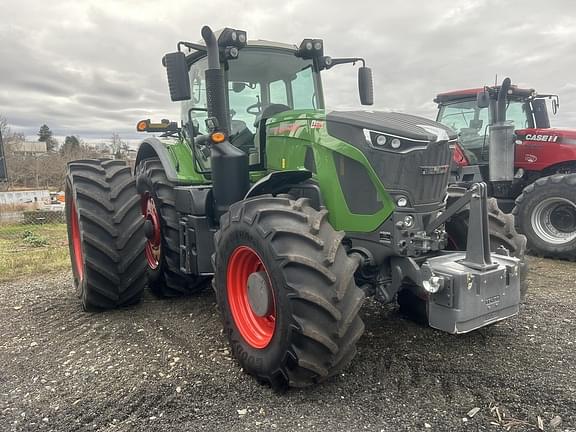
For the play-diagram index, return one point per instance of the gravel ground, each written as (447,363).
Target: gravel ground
(165,365)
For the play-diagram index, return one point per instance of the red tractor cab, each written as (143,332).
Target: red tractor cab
(506,140)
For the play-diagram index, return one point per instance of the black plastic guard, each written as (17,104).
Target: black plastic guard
(278,182)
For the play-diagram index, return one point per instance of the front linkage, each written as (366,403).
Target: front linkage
(458,291)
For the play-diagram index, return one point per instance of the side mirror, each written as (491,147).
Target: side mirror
(483,99)
(555,105)
(365,86)
(178,80)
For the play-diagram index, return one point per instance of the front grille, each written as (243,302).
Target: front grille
(419,173)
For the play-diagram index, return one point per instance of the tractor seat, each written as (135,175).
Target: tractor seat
(270,111)
(236,126)
(243,138)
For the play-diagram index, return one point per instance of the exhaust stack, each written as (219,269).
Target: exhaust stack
(229,165)
(501,155)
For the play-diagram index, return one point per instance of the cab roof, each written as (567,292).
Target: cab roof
(465,94)
(193,56)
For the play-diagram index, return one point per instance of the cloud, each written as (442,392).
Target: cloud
(92,67)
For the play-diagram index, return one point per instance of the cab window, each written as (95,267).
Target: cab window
(278,93)
(470,122)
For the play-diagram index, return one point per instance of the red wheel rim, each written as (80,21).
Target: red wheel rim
(76,242)
(154,244)
(256,330)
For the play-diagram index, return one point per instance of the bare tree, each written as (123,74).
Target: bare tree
(118,147)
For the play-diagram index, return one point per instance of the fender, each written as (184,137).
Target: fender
(278,182)
(152,147)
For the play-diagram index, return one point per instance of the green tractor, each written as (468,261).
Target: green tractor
(296,213)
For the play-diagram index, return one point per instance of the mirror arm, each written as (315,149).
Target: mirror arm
(345,60)
(191,46)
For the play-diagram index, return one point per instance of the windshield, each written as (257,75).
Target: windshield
(258,78)
(471,123)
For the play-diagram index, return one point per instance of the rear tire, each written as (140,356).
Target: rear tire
(311,325)
(546,213)
(164,276)
(105,234)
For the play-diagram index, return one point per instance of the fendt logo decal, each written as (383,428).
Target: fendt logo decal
(282,129)
(546,138)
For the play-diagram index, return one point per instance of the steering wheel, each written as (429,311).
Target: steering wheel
(255,109)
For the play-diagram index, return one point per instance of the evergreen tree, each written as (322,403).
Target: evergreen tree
(45,135)
(71,145)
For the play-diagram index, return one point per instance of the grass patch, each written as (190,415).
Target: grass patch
(32,249)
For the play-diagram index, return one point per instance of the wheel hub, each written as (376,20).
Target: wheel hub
(563,218)
(251,297)
(152,231)
(554,220)
(149,229)
(259,293)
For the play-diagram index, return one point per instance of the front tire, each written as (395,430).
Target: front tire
(105,234)
(546,213)
(285,287)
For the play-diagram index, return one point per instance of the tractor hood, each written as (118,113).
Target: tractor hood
(411,155)
(394,124)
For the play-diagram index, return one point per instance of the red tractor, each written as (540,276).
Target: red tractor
(505,140)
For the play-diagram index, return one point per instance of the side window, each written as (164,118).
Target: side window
(301,86)
(198,97)
(278,93)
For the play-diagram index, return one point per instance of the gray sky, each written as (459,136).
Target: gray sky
(92,67)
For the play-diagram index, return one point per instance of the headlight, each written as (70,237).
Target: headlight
(402,202)
(395,143)
(381,140)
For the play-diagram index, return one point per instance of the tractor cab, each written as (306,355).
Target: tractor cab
(266,79)
(460,111)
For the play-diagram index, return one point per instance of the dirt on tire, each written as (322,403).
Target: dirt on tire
(165,365)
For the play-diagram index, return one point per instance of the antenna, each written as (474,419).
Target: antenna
(496,80)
